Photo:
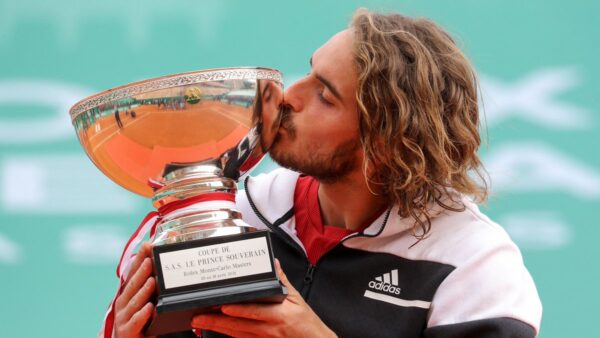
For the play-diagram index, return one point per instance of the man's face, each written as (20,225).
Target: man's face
(319,123)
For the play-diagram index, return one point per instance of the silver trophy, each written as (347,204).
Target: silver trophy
(184,140)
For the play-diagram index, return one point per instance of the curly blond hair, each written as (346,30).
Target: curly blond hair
(418,113)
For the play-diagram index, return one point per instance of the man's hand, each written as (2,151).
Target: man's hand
(133,307)
(292,318)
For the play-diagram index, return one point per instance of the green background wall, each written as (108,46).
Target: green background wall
(63,224)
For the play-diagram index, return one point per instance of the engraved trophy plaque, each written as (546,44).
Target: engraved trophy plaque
(184,140)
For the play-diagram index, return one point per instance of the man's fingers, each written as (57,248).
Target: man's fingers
(280,272)
(143,252)
(235,327)
(261,312)
(264,312)
(135,283)
(138,300)
(140,318)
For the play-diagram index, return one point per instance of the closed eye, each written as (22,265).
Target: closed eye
(323,99)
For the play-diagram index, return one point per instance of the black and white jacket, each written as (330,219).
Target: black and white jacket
(466,279)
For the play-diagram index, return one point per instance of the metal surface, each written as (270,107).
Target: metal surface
(201,225)
(184,135)
(137,134)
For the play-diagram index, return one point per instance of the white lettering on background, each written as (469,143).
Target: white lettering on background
(93,244)
(60,184)
(10,252)
(57,97)
(530,166)
(134,20)
(535,98)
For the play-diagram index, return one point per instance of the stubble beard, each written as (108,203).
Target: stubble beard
(325,167)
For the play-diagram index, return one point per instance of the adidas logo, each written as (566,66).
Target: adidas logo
(388,282)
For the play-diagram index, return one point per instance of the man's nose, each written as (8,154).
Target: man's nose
(293,96)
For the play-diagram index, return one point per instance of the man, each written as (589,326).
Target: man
(377,237)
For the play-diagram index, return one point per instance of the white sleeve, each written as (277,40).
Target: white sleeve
(491,284)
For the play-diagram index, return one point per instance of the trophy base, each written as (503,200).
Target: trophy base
(198,276)
(174,313)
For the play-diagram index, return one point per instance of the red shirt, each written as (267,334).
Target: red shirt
(316,237)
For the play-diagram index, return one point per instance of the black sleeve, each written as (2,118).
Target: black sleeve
(484,328)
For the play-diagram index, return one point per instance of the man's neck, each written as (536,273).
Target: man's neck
(349,203)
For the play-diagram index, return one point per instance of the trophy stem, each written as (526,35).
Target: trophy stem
(197,202)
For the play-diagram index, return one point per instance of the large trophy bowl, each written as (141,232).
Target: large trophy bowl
(184,140)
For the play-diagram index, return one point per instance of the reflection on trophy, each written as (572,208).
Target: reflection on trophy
(184,140)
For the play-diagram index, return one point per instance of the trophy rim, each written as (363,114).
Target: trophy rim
(172,81)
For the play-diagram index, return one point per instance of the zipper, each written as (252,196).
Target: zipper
(308,278)
(310,271)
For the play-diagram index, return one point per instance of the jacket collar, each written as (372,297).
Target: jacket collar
(273,196)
